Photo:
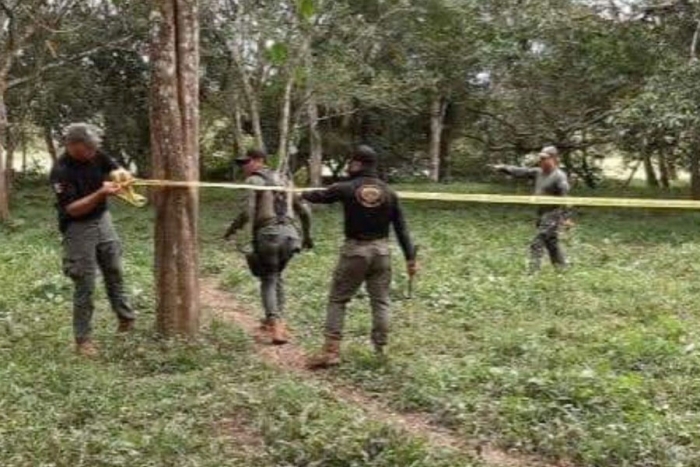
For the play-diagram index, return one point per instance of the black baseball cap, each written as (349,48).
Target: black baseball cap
(366,155)
(251,154)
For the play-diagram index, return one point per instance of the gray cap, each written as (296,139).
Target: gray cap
(548,151)
(83,133)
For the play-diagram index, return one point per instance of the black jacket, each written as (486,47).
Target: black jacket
(72,180)
(371,208)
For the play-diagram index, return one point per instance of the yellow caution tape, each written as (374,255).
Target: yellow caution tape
(127,193)
(555,201)
(454,197)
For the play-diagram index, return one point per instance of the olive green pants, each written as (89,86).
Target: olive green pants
(361,263)
(89,246)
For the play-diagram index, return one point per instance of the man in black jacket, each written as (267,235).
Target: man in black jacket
(80,181)
(371,208)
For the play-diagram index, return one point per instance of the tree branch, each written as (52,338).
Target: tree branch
(59,63)
(694,44)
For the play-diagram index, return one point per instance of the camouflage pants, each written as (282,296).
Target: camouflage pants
(547,238)
(274,248)
(88,246)
(368,263)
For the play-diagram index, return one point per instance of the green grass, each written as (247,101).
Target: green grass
(597,366)
(148,402)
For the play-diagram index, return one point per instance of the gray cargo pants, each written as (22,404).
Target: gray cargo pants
(361,262)
(88,246)
(275,246)
(547,238)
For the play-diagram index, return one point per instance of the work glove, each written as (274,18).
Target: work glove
(124,179)
(121,176)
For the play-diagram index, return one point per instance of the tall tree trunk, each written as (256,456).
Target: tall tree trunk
(652,179)
(315,145)
(628,182)
(672,167)
(24,153)
(174,140)
(50,143)
(257,124)
(663,170)
(4,188)
(285,115)
(437,117)
(446,140)
(238,130)
(695,174)
(10,152)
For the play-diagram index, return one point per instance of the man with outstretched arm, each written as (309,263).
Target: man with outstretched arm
(550,180)
(79,180)
(371,208)
(276,238)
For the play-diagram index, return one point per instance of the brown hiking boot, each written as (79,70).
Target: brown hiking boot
(263,335)
(278,331)
(125,326)
(85,348)
(329,356)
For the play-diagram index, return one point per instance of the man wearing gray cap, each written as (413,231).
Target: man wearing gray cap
(80,181)
(550,180)
(276,238)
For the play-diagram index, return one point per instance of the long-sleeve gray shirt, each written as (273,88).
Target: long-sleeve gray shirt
(554,183)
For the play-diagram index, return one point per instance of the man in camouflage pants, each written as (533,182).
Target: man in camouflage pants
(79,180)
(370,208)
(276,239)
(550,180)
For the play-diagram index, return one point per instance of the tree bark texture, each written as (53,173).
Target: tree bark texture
(175,148)
(652,179)
(284,123)
(4,188)
(437,117)
(315,145)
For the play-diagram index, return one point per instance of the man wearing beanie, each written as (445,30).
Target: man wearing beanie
(371,208)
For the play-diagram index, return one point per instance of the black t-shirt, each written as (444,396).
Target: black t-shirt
(370,209)
(72,180)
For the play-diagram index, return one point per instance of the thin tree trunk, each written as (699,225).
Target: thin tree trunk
(633,173)
(652,179)
(50,143)
(174,139)
(238,130)
(4,189)
(257,125)
(663,171)
(695,172)
(437,116)
(285,115)
(24,153)
(315,145)
(672,168)
(10,163)
(446,140)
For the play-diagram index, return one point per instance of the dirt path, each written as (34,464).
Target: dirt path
(292,358)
